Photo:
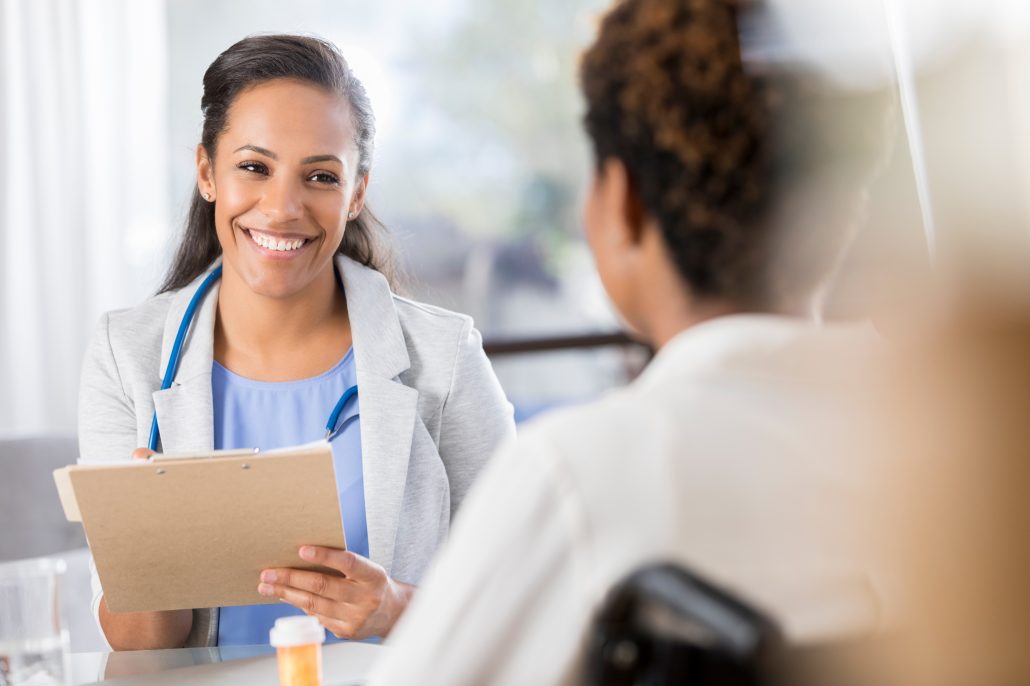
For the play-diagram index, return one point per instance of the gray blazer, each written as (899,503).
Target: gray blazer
(432,411)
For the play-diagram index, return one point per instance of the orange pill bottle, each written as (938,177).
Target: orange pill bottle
(298,643)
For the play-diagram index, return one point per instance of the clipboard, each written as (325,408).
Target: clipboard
(195,531)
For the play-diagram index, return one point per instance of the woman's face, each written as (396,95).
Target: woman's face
(284,182)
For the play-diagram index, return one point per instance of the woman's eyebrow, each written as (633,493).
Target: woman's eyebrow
(321,158)
(307,160)
(259,150)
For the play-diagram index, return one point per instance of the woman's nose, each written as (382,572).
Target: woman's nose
(283,200)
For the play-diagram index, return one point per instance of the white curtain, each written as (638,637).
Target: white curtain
(84,211)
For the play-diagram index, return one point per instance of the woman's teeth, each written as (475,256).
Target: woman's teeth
(273,244)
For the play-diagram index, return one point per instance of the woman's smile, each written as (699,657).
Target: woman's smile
(276,245)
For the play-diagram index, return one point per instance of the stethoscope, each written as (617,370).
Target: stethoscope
(173,363)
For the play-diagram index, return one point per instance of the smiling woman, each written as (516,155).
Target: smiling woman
(315,69)
(301,316)
(283,181)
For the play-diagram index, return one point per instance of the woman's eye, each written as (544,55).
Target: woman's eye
(324,178)
(253,167)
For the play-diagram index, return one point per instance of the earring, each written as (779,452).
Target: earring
(350,216)
(207,196)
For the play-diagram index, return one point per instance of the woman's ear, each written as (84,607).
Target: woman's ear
(205,174)
(357,202)
(622,202)
(615,232)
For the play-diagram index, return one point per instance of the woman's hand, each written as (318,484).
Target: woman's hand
(365,602)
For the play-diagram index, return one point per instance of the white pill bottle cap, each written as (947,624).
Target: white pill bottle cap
(296,631)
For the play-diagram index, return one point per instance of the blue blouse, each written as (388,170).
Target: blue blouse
(269,415)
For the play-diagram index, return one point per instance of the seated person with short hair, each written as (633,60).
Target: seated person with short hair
(722,457)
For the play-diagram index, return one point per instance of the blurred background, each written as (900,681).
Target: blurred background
(480,163)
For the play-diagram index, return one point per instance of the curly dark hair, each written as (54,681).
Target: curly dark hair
(710,143)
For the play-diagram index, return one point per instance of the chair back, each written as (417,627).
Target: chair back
(664,625)
(31,517)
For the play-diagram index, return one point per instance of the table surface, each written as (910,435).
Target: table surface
(344,664)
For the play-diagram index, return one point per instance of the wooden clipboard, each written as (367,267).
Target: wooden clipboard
(195,531)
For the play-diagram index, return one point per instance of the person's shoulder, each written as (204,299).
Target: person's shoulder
(130,331)
(429,327)
(415,313)
(588,430)
(424,326)
(439,342)
(142,319)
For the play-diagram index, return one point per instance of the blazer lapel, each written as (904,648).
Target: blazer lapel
(388,407)
(185,412)
(387,420)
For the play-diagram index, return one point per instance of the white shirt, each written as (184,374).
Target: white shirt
(724,456)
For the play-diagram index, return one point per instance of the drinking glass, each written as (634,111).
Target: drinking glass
(33,642)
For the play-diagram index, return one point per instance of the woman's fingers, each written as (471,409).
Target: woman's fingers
(334,615)
(313,582)
(310,603)
(142,453)
(342,591)
(351,565)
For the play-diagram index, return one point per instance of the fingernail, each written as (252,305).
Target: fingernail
(265,589)
(268,575)
(307,552)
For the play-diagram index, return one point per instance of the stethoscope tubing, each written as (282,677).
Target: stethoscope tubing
(180,336)
(176,355)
